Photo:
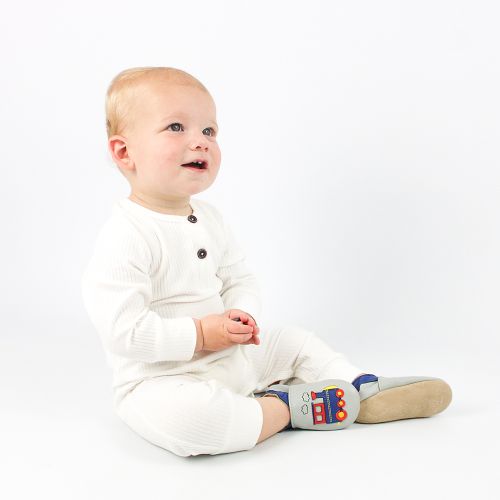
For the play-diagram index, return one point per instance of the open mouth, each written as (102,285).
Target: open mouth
(201,165)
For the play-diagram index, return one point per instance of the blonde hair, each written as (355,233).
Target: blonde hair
(127,85)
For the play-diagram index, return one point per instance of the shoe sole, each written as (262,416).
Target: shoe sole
(418,400)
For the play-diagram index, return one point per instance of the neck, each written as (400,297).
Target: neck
(161,205)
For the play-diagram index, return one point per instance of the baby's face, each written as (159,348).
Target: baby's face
(172,125)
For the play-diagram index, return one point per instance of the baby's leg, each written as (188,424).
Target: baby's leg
(189,416)
(292,354)
(276,416)
(287,355)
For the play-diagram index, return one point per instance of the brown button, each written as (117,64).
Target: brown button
(192,218)
(202,253)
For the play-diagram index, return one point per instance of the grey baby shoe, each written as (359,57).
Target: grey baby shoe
(384,399)
(324,405)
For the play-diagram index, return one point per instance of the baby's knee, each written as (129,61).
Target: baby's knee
(191,420)
(291,333)
(196,422)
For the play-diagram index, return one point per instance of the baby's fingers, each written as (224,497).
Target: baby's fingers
(238,327)
(255,340)
(240,338)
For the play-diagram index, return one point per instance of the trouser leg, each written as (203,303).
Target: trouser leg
(291,354)
(192,417)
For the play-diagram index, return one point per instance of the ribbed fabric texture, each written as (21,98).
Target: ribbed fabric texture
(150,274)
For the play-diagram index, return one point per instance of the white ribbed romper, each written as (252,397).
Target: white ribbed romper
(150,274)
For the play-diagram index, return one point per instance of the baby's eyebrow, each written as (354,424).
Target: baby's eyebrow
(173,116)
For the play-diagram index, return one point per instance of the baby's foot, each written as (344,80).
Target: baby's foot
(322,405)
(384,399)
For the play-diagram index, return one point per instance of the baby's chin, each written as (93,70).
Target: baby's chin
(197,185)
(199,188)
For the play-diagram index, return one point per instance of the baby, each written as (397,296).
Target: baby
(177,309)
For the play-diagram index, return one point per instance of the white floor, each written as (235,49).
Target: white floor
(61,440)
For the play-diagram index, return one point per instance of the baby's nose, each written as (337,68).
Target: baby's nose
(200,143)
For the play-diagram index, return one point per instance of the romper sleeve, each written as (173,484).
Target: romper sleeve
(240,288)
(117,292)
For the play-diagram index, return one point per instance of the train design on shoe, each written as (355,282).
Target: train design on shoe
(327,406)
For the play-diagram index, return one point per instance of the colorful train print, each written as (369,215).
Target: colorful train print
(328,407)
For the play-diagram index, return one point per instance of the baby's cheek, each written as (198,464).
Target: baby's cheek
(216,155)
(172,159)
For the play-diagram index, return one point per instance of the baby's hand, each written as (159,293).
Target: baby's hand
(246,319)
(220,332)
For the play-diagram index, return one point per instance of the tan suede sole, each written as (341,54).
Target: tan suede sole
(421,399)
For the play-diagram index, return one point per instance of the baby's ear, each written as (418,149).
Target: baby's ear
(117,146)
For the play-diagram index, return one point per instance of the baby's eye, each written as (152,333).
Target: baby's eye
(212,133)
(175,125)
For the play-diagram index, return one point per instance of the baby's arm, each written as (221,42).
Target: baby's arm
(117,293)
(240,287)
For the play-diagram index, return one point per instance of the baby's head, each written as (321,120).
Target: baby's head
(158,119)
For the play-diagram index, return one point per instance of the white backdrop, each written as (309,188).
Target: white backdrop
(360,170)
